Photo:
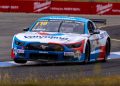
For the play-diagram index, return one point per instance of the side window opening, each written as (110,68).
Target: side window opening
(91,27)
(79,28)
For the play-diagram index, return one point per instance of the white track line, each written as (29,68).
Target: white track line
(116,40)
(102,26)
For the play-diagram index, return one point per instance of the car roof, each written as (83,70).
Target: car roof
(67,18)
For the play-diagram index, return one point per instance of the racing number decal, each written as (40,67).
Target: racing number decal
(43,23)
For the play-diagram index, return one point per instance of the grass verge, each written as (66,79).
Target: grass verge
(62,81)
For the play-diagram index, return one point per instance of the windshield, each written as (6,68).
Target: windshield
(59,26)
(72,27)
(49,26)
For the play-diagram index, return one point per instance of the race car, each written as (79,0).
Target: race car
(61,39)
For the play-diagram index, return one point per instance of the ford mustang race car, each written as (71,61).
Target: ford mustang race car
(63,39)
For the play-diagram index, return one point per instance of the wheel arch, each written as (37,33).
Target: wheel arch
(109,42)
(86,40)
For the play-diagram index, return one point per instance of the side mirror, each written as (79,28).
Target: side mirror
(26,29)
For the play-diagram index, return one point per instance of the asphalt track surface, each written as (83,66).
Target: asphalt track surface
(12,23)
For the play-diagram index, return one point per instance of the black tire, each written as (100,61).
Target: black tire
(87,53)
(20,61)
(107,50)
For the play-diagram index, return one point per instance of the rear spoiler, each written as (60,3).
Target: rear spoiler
(99,21)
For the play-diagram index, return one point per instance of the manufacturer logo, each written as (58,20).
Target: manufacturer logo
(43,47)
(38,6)
(101,9)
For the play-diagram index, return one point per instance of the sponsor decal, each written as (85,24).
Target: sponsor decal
(53,34)
(20,51)
(77,54)
(68,53)
(43,33)
(94,42)
(62,18)
(43,52)
(96,51)
(101,9)
(38,6)
(103,35)
(46,37)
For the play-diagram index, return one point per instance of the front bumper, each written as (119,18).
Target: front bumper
(37,51)
(46,55)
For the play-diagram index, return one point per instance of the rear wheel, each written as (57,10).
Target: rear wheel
(21,61)
(87,53)
(107,50)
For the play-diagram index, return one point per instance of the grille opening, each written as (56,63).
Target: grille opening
(44,47)
(36,56)
(21,54)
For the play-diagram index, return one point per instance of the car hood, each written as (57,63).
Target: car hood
(50,37)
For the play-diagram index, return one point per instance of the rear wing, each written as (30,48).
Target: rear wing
(99,21)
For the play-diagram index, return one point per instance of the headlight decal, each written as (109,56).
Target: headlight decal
(75,45)
(19,43)
(81,48)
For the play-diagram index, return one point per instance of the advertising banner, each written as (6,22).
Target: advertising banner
(59,7)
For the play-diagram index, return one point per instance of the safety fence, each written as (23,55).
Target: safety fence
(59,7)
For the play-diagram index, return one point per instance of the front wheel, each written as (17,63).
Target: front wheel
(87,53)
(20,61)
(107,50)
